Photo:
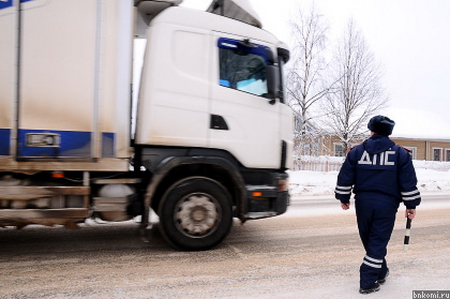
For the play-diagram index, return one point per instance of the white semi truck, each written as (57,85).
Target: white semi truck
(212,136)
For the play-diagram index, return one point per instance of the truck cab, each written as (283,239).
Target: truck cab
(212,136)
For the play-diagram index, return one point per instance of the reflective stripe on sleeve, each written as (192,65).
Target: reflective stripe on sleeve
(411,195)
(343,189)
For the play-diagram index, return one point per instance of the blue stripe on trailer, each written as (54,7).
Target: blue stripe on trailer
(108,148)
(5,4)
(5,135)
(9,3)
(72,144)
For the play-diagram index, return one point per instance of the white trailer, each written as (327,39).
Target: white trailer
(212,136)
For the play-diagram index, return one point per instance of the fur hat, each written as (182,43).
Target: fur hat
(381,125)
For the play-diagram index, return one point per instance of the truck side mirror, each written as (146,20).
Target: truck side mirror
(284,54)
(273,79)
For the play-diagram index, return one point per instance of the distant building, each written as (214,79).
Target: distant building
(425,148)
(428,149)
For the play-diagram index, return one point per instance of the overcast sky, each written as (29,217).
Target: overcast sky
(408,37)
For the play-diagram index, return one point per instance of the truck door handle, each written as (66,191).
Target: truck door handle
(218,123)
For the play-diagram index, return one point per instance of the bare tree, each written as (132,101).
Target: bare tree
(305,84)
(358,94)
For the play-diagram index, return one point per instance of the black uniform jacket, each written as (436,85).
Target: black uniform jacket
(378,166)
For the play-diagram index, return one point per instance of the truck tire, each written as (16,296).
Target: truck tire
(195,214)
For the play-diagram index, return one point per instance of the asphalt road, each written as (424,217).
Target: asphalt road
(302,254)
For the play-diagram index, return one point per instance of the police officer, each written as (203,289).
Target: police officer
(381,175)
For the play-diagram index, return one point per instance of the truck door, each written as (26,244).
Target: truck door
(244,121)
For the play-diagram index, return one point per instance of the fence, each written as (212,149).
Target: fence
(327,164)
(321,163)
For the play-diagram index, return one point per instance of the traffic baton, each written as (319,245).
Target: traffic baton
(407,233)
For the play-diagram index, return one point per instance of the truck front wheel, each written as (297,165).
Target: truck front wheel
(195,213)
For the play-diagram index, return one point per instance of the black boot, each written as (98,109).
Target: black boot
(383,280)
(373,289)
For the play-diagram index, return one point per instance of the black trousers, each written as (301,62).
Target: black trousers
(376,219)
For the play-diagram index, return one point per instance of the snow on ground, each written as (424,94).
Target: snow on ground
(433,177)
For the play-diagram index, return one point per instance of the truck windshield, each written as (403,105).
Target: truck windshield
(243,67)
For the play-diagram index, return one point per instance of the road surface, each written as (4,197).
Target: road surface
(303,254)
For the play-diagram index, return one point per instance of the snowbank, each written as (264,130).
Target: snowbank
(432,176)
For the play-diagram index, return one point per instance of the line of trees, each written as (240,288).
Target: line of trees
(334,90)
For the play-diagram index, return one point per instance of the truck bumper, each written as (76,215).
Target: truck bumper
(268,200)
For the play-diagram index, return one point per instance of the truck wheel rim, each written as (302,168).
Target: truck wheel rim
(197,214)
